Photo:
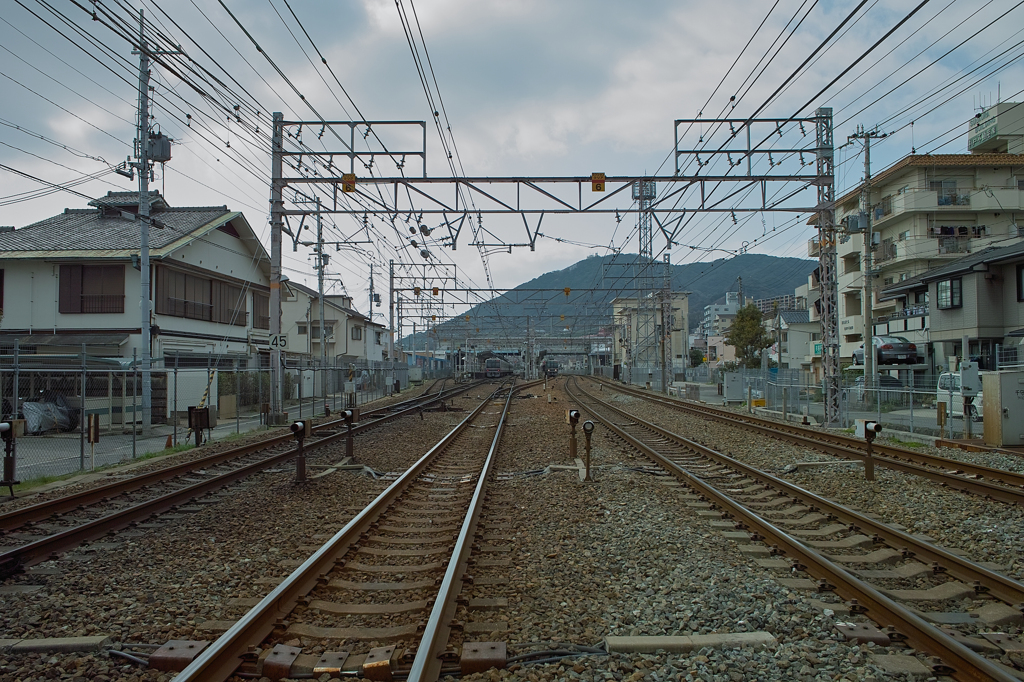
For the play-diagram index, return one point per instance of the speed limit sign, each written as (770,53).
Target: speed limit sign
(279,341)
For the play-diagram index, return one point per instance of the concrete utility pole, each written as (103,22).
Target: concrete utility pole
(866,295)
(142,165)
(321,264)
(276,226)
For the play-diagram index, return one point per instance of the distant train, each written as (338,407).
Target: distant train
(549,368)
(495,368)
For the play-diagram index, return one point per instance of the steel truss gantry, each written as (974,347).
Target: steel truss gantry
(451,201)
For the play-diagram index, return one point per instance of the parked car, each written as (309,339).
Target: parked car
(888,388)
(889,350)
(950,382)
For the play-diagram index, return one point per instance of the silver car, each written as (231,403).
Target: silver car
(889,350)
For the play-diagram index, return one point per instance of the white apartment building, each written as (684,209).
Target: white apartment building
(718,317)
(926,211)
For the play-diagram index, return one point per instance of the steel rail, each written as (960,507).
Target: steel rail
(28,514)
(426,667)
(999,484)
(53,545)
(965,664)
(999,586)
(220,660)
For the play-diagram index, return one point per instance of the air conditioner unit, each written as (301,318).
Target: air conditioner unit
(876,238)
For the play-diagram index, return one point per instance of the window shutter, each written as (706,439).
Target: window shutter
(70,288)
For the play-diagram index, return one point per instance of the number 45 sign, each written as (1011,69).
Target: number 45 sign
(279,341)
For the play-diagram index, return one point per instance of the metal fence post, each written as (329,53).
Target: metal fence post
(135,385)
(238,400)
(176,397)
(300,390)
(81,417)
(911,401)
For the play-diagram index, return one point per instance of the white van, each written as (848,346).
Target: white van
(951,380)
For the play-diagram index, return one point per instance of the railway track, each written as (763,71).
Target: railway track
(392,575)
(42,531)
(895,579)
(998,484)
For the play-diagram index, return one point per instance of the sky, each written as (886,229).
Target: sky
(529,88)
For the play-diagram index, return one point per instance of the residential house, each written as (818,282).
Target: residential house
(351,337)
(980,296)
(72,280)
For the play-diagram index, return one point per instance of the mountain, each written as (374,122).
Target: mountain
(595,281)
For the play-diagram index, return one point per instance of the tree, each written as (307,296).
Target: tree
(749,337)
(696,357)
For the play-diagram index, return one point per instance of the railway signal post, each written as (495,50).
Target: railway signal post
(588,429)
(871,429)
(573,417)
(301,430)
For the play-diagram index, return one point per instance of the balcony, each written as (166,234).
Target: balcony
(813,247)
(952,198)
(102,303)
(853,324)
(885,251)
(954,245)
(913,311)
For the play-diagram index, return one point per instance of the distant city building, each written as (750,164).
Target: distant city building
(718,317)
(785,302)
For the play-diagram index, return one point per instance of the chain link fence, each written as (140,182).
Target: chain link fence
(50,400)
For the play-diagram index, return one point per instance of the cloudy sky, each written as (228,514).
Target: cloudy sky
(527,87)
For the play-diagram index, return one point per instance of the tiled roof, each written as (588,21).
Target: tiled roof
(990,255)
(795,316)
(129,199)
(78,230)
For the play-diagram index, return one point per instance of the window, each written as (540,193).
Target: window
(948,293)
(887,205)
(181,294)
(357,333)
(1020,283)
(261,311)
(1020,185)
(904,236)
(229,304)
(300,329)
(945,191)
(378,338)
(91,288)
(314,329)
(1,291)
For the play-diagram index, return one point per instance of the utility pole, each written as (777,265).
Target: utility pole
(321,264)
(391,312)
(666,323)
(144,157)
(276,226)
(142,165)
(866,295)
(740,280)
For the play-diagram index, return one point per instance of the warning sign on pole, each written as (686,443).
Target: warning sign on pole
(348,182)
(597,182)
